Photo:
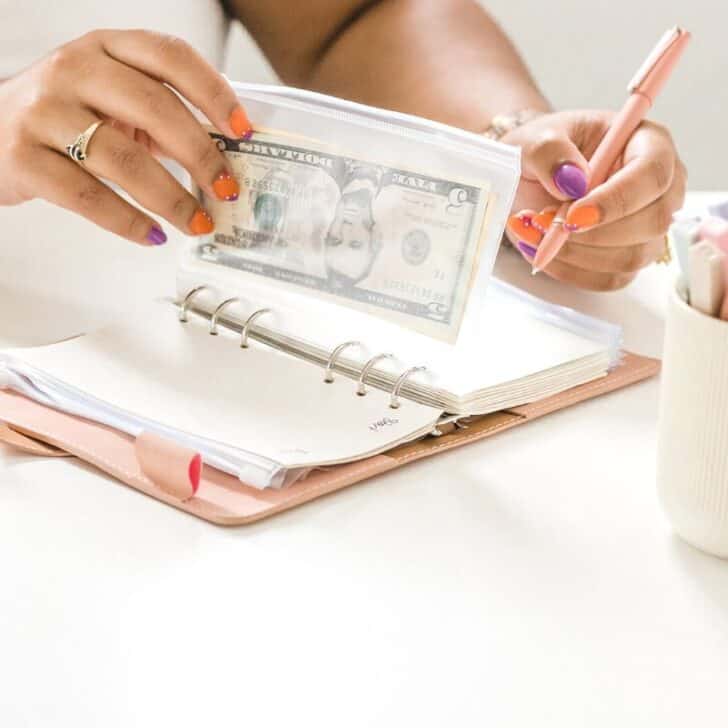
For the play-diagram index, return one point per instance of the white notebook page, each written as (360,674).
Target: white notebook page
(257,398)
(513,343)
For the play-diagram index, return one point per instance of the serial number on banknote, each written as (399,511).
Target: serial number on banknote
(396,243)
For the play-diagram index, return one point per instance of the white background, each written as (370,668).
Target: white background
(584,52)
(525,581)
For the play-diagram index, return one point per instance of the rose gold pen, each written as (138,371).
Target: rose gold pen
(643,88)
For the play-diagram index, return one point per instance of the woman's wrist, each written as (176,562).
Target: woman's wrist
(502,124)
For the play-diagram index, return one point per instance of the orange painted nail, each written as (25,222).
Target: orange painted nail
(522,228)
(239,123)
(542,221)
(201,222)
(583,217)
(226,187)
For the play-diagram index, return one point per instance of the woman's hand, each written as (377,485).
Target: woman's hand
(619,227)
(128,79)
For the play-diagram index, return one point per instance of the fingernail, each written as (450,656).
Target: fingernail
(570,180)
(240,124)
(194,471)
(582,217)
(156,235)
(522,227)
(226,187)
(528,250)
(201,222)
(542,221)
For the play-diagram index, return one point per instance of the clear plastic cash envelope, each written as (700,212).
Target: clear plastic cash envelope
(371,220)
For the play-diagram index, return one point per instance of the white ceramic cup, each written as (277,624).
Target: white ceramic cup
(692,460)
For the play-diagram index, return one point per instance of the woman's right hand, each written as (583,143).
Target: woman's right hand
(128,79)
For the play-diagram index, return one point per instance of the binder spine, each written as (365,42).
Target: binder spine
(248,331)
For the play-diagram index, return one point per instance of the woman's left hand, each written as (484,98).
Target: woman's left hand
(619,227)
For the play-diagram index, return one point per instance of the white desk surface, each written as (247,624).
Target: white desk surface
(527,580)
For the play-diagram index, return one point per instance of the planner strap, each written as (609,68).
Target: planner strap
(18,440)
(175,469)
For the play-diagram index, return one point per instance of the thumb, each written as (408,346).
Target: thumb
(558,165)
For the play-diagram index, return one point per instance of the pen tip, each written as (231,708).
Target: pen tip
(535,271)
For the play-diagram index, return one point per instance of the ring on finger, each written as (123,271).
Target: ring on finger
(78,150)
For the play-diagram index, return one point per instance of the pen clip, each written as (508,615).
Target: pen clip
(657,55)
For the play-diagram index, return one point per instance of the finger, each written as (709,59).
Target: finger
(124,128)
(542,221)
(556,162)
(114,156)
(520,227)
(64,183)
(623,259)
(134,99)
(138,135)
(531,195)
(646,175)
(593,280)
(589,280)
(650,222)
(526,250)
(178,64)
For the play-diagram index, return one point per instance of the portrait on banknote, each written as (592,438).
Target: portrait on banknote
(396,243)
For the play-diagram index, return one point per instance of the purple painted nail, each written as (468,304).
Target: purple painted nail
(528,250)
(570,180)
(156,235)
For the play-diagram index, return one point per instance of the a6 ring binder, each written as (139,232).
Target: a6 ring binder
(279,426)
(221,498)
(247,331)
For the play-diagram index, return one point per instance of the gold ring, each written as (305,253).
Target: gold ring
(78,151)
(666,256)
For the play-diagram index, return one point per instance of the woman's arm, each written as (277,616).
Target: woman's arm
(449,61)
(445,60)
(116,87)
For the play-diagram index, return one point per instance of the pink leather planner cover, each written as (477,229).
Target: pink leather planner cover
(159,468)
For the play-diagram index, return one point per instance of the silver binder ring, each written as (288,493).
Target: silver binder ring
(394,399)
(248,324)
(187,301)
(216,314)
(328,376)
(361,389)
